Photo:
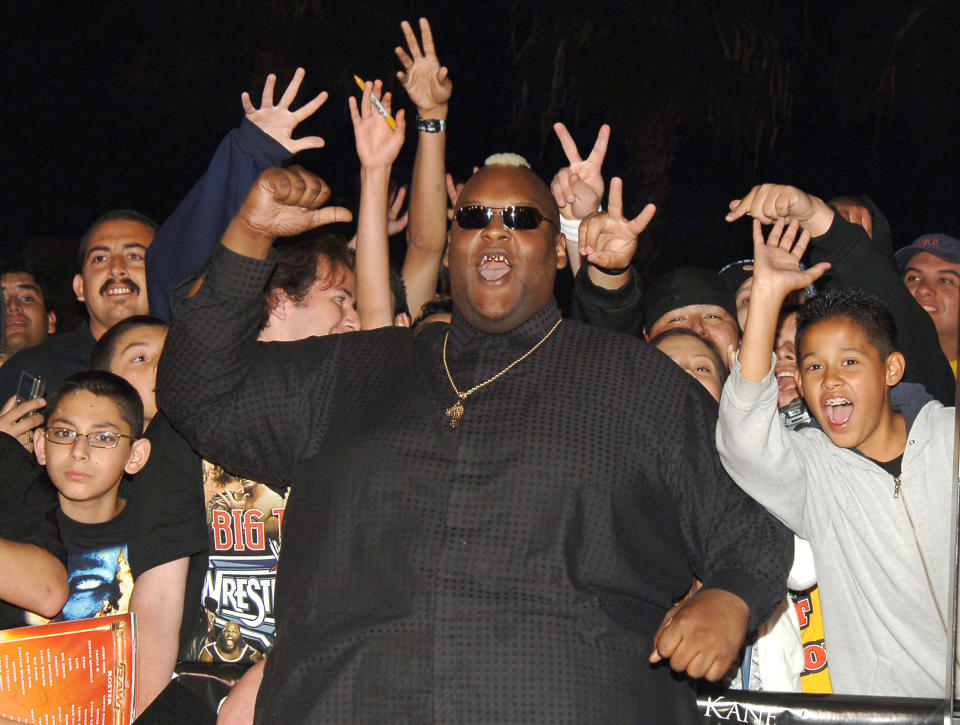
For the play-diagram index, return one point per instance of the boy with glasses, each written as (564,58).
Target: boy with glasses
(91,441)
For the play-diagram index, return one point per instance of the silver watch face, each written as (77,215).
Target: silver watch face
(431,125)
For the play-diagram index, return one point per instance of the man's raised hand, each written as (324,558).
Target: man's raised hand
(278,121)
(282,203)
(377,144)
(396,222)
(776,261)
(425,80)
(769,202)
(578,187)
(609,239)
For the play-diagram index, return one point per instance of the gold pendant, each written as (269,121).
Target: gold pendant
(455,413)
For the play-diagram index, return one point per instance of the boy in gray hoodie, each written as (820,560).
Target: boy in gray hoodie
(870,488)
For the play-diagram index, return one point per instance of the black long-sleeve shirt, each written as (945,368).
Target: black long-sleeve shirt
(857,263)
(512,569)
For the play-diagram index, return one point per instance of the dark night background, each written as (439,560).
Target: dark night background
(120,104)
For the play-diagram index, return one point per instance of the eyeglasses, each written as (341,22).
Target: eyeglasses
(100,439)
(518,217)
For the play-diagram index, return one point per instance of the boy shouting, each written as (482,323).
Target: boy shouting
(869,489)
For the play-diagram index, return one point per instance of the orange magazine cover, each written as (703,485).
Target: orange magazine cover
(79,672)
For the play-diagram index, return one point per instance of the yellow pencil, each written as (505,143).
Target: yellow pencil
(376,104)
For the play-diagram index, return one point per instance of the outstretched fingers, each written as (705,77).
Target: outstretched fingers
(411,39)
(292,88)
(397,202)
(568,144)
(640,222)
(247,104)
(599,150)
(310,107)
(615,201)
(266,98)
(426,36)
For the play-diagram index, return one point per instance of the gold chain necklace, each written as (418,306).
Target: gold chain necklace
(455,411)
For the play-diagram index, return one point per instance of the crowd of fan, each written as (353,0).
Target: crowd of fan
(833,379)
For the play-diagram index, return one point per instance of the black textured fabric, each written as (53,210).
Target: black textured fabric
(177,705)
(56,358)
(620,309)
(511,570)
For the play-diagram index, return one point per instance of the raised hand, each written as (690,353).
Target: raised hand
(278,121)
(16,421)
(776,261)
(395,222)
(609,239)
(453,192)
(769,202)
(578,187)
(377,144)
(285,202)
(702,634)
(425,80)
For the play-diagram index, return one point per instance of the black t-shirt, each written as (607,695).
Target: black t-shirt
(892,467)
(166,514)
(182,506)
(98,574)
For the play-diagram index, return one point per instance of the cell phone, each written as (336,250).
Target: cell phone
(30,387)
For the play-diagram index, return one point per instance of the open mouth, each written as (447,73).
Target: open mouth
(119,288)
(929,308)
(786,381)
(494,266)
(838,410)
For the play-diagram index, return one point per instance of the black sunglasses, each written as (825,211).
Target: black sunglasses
(517,217)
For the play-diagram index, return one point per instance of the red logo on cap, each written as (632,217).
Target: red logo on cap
(928,242)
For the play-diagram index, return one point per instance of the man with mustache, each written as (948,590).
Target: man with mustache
(112,286)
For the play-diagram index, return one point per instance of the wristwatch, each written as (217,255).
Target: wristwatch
(431,125)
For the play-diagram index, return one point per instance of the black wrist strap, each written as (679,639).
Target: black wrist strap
(610,270)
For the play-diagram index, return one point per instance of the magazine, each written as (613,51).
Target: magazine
(79,672)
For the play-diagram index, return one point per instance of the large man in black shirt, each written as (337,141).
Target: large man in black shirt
(492,518)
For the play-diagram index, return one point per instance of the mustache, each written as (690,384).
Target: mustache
(124,281)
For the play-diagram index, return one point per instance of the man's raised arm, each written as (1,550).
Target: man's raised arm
(236,400)
(428,85)
(263,139)
(856,263)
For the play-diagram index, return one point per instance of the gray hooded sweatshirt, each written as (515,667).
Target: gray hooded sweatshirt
(882,550)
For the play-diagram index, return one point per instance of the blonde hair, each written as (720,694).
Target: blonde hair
(506,159)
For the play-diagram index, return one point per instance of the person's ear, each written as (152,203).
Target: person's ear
(40,446)
(895,365)
(561,251)
(78,287)
(51,322)
(139,454)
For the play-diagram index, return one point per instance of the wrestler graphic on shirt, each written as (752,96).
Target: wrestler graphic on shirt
(230,647)
(227,492)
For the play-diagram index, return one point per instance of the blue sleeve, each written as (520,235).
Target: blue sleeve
(191,233)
